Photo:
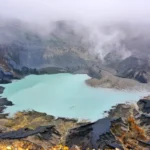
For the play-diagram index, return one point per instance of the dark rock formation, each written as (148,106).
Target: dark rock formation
(131,128)
(51,70)
(5,77)
(66,119)
(144,120)
(2,108)
(1,89)
(112,59)
(94,135)
(3,116)
(144,105)
(145,144)
(122,111)
(5,81)
(46,133)
(135,68)
(5,102)
(94,71)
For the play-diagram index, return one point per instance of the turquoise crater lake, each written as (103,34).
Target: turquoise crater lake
(64,95)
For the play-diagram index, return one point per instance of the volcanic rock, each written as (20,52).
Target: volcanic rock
(135,68)
(1,89)
(144,105)
(93,135)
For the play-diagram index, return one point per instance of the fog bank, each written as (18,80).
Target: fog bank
(43,11)
(104,25)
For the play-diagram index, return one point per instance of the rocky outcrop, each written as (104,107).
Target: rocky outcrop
(5,77)
(40,138)
(34,127)
(144,105)
(7,73)
(1,89)
(112,59)
(144,120)
(135,68)
(94,135)
(45,132)
(3,103)
(122,111)
(125,128)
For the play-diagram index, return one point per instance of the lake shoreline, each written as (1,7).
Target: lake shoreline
(72,106)
(38,130)
(77,133)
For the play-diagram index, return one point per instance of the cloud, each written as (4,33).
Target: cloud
(43,11)
(99,17)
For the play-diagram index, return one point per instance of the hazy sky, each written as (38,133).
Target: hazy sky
(87,10)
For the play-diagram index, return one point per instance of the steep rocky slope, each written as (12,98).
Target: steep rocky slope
(24,51)
(125,128)
(135,68)
(67,46)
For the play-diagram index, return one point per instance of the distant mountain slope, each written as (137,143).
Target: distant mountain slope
(74,47)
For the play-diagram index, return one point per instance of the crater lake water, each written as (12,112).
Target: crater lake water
(64,95)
